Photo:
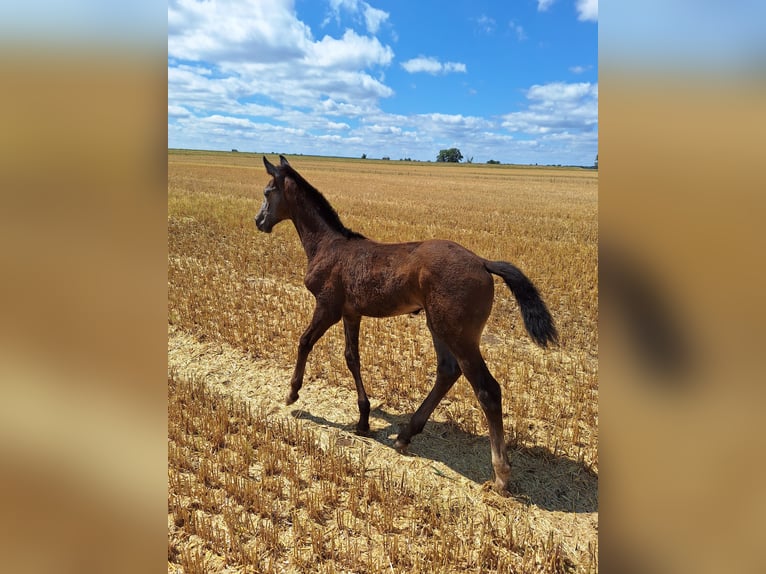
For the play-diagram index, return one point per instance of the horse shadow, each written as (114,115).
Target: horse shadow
(538,477)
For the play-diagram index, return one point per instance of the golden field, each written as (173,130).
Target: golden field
(255,486)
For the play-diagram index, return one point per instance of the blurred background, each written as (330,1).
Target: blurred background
(682,120)
(83,290)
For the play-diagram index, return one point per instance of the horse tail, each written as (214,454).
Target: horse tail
(537,319)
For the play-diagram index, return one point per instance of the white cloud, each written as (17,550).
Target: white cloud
(193,87)
(543,5)
(333,108)
(350,5)
(235,31)
(579,69)
(422,64)
(244,51)
(587,10)
(249,78)
(469,122)
(557,108)
(257,32)
(558,92)
(432,66)
(440,130)
(373,17)
(454,67)
(486,24)
(337,126)
(219,120)
(178,112)
(557,126)
(379,129)
(521,35)
(351,52)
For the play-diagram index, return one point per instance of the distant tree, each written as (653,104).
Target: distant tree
(234,150)
(595,164)
(450,155)
(493,162)
(364,156)
(386,158)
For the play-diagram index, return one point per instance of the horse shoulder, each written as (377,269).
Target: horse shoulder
(323,272)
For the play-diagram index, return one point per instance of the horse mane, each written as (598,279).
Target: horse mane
(326,211)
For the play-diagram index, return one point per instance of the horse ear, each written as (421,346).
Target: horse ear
(283,161)
(270,168)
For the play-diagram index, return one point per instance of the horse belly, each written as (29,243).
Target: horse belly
(388,308)
(382,295)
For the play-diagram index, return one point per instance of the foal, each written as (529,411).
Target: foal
(351,276)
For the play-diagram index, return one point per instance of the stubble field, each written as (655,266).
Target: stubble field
(256,486)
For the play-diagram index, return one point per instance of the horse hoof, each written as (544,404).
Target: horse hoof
(401,446)
(501,487)
(501,490)
(291,398)
(493,486)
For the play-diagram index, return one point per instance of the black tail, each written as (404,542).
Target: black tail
(537,319)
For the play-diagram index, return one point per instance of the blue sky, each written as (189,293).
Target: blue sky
(515,81)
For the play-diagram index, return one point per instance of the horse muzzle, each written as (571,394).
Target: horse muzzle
(262,224)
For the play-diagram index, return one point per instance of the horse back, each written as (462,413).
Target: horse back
(385,279)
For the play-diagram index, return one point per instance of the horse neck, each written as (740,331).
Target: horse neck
(312,229)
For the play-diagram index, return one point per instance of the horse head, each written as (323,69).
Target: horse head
(274,208)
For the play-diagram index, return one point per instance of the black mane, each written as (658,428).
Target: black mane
(326,211)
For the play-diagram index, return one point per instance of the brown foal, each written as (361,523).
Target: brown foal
(352,276)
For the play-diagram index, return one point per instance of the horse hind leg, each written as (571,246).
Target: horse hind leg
(487,391)
(351,331)
(447,372)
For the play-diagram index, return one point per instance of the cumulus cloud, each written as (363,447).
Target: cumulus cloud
(373,17)
(219,120)
(468,122)
(439,130)
(379,129)
(560,92)
(178,112)
(432,66)
(235,31)
(557,107)
(254,32)
(194,87)
(337,126)
(254,79)
(221,56)
(352,51)
(587,10)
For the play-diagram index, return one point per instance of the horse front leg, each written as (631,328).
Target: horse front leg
(324,318)
(351,330)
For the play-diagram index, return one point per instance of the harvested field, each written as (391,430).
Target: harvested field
(256,486)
